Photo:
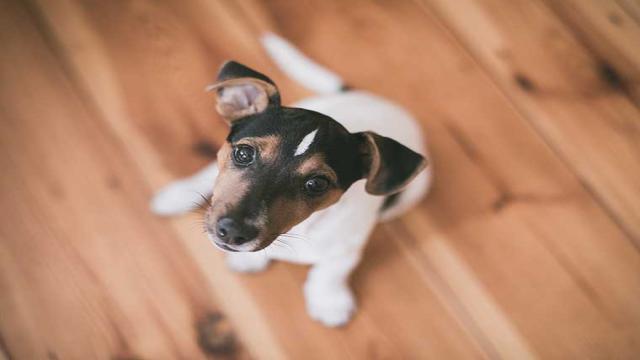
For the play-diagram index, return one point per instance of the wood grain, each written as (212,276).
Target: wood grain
(77,40)
(519,186)
(525,248)
(569,95)
(609,30)
(82,258)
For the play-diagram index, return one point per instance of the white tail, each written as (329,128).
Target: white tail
(299,67)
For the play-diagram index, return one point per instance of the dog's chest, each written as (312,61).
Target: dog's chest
(334,231)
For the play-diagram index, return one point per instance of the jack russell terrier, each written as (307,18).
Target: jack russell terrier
(319,174)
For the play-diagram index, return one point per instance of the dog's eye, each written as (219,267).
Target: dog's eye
(243,155)
(316,185)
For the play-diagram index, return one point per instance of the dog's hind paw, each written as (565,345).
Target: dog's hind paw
(246,262)
(174,199)
(331,308)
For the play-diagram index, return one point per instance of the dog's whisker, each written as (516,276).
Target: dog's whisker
(200,223)
(198,206)
(288,235)
(197,224)
(197,209)
(300,236)
(295,237)
(282,242)
(281,246)
(207,200)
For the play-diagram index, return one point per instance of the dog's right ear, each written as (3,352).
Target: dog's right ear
(241,91)
(388,165)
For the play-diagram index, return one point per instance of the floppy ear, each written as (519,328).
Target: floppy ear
(388,165)
(241,91)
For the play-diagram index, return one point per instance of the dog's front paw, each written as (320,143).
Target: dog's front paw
(330,307)
(174,199)
(247,262)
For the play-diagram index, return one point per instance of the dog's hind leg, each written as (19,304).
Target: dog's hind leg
(186,194)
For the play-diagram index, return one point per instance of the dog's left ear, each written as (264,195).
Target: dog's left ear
(241,91)
(388,165)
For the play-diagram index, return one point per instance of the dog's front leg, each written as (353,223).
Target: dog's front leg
(186,194)
(328,296)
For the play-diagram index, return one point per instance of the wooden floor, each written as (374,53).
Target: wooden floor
(528,246)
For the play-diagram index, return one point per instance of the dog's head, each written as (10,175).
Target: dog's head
(281,164)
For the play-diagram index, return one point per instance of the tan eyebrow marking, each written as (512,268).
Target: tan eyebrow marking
(267,145)
(316,163)
(229,187)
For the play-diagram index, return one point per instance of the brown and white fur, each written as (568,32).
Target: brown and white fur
(318,175)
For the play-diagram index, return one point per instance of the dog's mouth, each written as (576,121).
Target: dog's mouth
(250,246)
(225,247)
(229,235)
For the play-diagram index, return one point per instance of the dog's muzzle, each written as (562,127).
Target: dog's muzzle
(232,235)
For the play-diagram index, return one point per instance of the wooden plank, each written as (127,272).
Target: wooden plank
(509,257)
(631,8)
(85,270)
(607,28)
(553,269)
(562,91)
(143,56)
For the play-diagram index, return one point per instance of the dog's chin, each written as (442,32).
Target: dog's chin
(253,245)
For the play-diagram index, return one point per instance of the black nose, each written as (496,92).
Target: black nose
(233,232)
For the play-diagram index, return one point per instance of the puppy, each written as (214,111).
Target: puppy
(306,183)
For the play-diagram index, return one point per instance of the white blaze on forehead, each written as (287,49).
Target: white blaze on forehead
(307,140)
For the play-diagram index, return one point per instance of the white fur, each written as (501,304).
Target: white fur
(307,140)
(333,238)
(247,262)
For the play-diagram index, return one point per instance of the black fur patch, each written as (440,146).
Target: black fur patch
(390,200)
(234,70)
(348,155)
(397,164)
(279,178)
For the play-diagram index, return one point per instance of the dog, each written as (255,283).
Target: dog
(316,176)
